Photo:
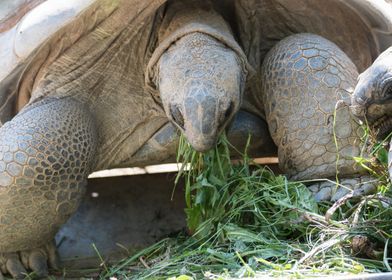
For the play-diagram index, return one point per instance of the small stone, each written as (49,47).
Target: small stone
(314,188)
(340,193)
(324,194)
(365,189)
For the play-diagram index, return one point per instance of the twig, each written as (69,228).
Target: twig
(103,263)
(322,247)
(337,205)
(357,212)
(249,270)
(143,262)
(313,217)
(380,197)
(385,258)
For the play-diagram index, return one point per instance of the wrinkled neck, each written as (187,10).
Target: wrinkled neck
(182,18)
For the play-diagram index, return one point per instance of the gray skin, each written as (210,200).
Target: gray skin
(91,110)
(372,98)
(203,96)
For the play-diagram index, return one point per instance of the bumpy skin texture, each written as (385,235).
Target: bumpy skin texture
(304,76)
(46,154)
(89,115)
(372,99)
(105,70)
(373,94)
(201,97)
(37,260)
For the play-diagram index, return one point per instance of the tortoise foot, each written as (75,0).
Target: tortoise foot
(37,261)
(332,191)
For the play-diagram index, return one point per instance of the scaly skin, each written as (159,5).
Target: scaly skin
(372,99)
(57,141)
(200,80)
(201,97)
(303,77)
(46,154)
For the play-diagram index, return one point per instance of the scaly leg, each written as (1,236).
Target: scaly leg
(46,154)
(303,77)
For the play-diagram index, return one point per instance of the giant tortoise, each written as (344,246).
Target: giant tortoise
(93,84)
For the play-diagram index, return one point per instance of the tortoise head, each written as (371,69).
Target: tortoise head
(372,98)
(200,83)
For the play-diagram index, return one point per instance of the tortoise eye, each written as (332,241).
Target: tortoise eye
(177,115)
(387,91)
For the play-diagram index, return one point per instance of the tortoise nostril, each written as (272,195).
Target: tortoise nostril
(177,115)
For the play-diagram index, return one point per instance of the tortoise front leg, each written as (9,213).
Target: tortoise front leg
(303,77)
(46,154)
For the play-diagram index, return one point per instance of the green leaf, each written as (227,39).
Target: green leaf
(181,277)
(306,199)
(216,181)
(193,217)
(200,197)
(382,156)
(242,234)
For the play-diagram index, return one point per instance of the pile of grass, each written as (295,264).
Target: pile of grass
(243,220)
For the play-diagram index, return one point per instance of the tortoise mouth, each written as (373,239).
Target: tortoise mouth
(382,126)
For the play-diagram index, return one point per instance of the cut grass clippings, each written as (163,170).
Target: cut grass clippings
(245,221)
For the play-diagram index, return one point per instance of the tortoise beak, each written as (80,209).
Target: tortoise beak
(201,126)
(202,117)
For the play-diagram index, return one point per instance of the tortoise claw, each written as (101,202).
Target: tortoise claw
(14,266)
(53,256)
(331,191)
(37,260)
(38,263)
